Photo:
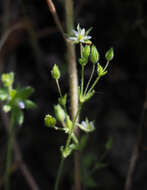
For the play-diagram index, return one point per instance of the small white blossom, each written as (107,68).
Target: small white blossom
(80,36)
(21,105)
(87,126)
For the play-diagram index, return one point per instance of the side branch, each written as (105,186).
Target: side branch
(55,17)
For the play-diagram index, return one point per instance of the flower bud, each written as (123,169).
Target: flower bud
(49,121)
(62,100)
(59,112)
(94,55)
(86,51)
(68,122)
(109,54)
(55,72)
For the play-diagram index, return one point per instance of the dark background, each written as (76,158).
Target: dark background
(117,108)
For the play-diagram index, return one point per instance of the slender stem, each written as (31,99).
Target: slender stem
(81,50)
(67,144)
(73,126)
(9,153)
(95,82)
(82,71)
(59,89)
(92,73)
(82,79)
(106,65)
(59,173)
(56,18)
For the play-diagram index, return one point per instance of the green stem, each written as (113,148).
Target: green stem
(82,80)
(67,144)
(95,82)
(59,173)
(73,126)
(81,50)
(106,65)
(92,73)
(9,153)
(59,89)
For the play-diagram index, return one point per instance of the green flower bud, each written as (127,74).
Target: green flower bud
(62,100)
(59,112)
(55,72)
(49,121)
(109,54)
(86,51)
(94,55)
(68,122)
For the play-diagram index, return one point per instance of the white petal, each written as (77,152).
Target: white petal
(75,32)
(82,40)
(87,37)
(73,38)
(83,32)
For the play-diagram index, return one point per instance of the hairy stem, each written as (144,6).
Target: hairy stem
(73,82)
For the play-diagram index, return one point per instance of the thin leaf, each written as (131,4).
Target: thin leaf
(24,93)
(30,104)
(19,117)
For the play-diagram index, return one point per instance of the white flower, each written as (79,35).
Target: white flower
(87,126)
(21,105)
(80,36)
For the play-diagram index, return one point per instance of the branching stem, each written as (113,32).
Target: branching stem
(91,76)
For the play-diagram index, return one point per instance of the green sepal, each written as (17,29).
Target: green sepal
(100,71)
(88,31)
(85,98)
(62,100)
(83,61)
(68,150)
